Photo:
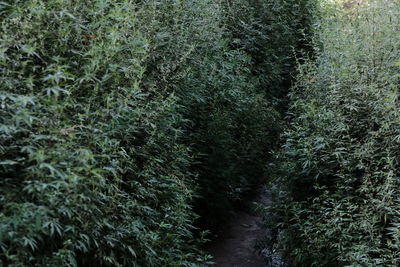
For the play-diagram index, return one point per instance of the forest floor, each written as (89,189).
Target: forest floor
(236,245)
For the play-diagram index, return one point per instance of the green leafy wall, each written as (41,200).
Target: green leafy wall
(338,196)
(115,114)
(236,129)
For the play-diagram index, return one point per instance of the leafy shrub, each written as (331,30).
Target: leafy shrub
(272,33)
(236,128)
(93,172)
(114,114)
(338,201)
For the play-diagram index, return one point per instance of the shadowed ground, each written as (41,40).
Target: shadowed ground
(236,245)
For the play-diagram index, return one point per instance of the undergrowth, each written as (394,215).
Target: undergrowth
(338,182)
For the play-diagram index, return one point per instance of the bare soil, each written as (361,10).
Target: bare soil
(236,245)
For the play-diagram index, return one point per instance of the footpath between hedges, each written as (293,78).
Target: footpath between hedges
(236,245)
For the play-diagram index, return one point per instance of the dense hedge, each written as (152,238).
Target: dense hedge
(339,203)
(113,114)
(91,164)
(272,33)
(236,129)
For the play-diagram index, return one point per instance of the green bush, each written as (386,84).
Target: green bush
(235,129)
(93,169)
(338,201)
(272,33)
(115,114)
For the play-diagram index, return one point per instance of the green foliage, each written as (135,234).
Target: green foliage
(115,114)
(234,130)
(272,33)
(93,172)
(338,196)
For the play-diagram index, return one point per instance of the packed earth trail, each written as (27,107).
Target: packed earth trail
(236,246)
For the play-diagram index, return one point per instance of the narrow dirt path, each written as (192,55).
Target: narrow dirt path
(236,246)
